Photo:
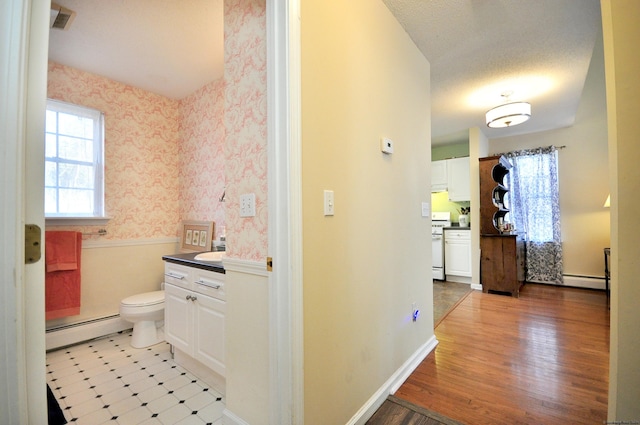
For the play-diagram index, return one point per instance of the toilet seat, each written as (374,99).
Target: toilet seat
(145,299)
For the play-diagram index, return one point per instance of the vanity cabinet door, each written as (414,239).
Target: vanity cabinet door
(209,341)
(178,319)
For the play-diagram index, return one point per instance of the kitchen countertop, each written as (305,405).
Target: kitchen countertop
(458,228)
(188,259)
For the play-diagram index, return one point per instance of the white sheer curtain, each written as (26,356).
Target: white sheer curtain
(535,210)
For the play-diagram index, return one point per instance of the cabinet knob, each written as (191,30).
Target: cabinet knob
(194,298)
(188,297)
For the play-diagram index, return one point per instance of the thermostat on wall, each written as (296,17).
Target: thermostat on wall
(386,145)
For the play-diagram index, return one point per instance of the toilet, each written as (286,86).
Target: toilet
(146,312)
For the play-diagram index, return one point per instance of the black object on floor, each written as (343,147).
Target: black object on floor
(56,417)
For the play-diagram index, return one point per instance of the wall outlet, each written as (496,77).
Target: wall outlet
(248,205)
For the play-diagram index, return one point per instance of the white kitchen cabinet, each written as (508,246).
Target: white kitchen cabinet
(439,176)
(457,253)
(195,314)
(458,177)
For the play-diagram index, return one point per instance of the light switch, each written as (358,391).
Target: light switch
(248,205)
(328,202)
(426,209)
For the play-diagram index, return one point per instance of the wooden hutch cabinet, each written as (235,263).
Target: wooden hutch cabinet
(502,253)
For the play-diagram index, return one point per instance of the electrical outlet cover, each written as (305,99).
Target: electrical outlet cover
(248,205)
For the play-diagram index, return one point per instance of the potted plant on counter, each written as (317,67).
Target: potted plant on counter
(463,218)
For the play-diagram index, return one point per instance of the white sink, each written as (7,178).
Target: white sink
(210,256)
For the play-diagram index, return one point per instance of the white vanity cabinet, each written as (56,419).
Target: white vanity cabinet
(195,314)
(457,255)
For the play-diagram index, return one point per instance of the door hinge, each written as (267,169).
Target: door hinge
(32,243)
(269,264)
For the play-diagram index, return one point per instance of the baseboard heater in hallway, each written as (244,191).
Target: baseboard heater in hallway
(73,333)
(590,282)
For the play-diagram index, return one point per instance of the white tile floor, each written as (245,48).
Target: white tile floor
(106,381)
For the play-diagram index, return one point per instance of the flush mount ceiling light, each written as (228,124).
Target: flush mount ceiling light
(508,114)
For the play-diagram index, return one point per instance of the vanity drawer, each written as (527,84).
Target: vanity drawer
(178,275)
(208,283)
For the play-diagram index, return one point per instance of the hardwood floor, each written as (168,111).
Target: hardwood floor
(542,358)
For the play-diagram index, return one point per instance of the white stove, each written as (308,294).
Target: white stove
(439,220)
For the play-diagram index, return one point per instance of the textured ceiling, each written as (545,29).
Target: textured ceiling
(478,49)
(169,47)
(538,49)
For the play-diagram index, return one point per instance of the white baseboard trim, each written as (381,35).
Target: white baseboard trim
(458,279)
(79,332)
(393,383)
(476,286)
(229,418)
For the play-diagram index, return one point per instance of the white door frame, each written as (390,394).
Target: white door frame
(285,212)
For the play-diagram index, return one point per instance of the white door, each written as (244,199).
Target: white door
(23,53)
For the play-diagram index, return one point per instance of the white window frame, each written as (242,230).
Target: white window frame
(97,216)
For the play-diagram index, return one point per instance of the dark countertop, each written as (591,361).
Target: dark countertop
(188,259)
(458,228)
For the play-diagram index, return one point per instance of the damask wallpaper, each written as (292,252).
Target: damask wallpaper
(141,152)
(201,155)
(246,125)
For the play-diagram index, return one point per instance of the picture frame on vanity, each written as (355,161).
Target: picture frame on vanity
(196,236)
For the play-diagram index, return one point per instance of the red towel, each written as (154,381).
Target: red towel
(60,250)
(62,280)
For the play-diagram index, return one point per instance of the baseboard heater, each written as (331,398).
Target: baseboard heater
(589,282)
(74,333)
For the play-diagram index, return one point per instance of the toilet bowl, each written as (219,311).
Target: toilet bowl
(146,312)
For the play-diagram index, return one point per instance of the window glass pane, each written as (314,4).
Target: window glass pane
(73,125)
(75,149)
(50,200)
(50,148)
(50,173)
(75,176)
(74,143)
(76,201)
(51,123)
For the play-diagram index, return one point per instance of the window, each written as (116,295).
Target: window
(535,204)
(74,166)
